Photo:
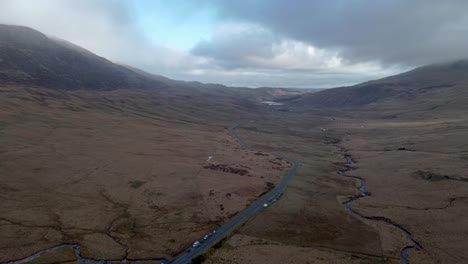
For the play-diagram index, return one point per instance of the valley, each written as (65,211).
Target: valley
(126,166)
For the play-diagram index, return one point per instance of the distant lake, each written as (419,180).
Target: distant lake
(271,103)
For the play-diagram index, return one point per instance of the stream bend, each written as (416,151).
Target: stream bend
(348,166)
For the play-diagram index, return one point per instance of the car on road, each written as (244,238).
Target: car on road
(196,244)
(265,205)
(205,237)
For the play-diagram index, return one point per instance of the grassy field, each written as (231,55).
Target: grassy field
(126,174)
(415,172)
(79,167)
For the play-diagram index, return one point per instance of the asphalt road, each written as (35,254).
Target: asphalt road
(190,253)
(187,256)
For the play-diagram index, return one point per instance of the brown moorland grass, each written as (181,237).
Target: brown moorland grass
(121,184)
(390,155)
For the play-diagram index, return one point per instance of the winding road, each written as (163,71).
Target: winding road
(187,256)
(192,252)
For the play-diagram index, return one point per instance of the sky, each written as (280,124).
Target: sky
(255,43)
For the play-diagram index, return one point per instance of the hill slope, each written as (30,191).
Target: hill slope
(426,83)
(29,57)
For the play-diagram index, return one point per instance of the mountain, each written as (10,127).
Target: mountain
(32,59)
(446,81)
(28,57)
(54,73)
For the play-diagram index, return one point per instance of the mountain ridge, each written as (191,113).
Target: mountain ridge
(31,58)
(408,86)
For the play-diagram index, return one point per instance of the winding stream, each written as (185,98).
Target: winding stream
(348,166)
(77,250)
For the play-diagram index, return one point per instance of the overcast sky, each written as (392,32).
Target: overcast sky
(278,43)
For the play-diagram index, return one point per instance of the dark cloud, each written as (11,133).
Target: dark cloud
(236,45)
(397,31)
(292,43)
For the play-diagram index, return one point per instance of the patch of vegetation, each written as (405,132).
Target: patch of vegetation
(226,168)
(179,216)
(176,217)
(433,176)
(3,124)
(405,149)
(136,183)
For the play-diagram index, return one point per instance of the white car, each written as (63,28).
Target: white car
(265,205)
(196,244)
